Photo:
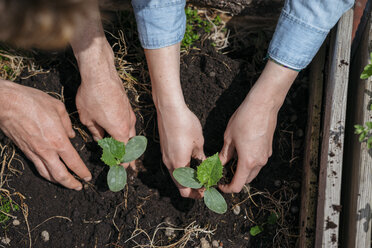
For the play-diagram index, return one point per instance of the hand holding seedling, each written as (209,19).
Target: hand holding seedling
(114,153)
(181,136)
(40,126)
(207,175)
(101,100)
(251,129)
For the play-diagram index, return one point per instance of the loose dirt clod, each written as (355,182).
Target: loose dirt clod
(236,211)
(45,236)
(277,183)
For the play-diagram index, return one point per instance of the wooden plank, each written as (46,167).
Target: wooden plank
(309,189)
(329,198)
(357,190)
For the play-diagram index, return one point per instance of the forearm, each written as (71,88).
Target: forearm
(272,86)
(164,68)
(92,50)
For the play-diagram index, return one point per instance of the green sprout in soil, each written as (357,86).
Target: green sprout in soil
(195,24)
(207,175)
(114,153)
(365,131)
(271,220)
(6,207)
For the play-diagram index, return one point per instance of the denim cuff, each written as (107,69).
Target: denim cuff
(160,23)
(295,42)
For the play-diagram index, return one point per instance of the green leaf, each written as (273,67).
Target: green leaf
(370,107)
(135,147)
(369,142)
(215,201)
(116,178)
(367,72)
(369,125)
(256,230)
(358,129)
(362,136)
(113,151)
(272,219)
(186,176)
(209,172)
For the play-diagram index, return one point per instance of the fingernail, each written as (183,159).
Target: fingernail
(87,179)
(78,188)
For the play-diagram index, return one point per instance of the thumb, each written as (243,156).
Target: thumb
(227,152)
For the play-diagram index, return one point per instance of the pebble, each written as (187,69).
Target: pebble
(16,222)
(294,209)
(293,118)
(204,243)
(300,133)
(45,236)
(236,210)
(5,241)
(169,232)
(215,244)
(277,183)
(212,74)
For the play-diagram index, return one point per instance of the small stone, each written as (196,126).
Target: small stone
(236,210)
(204,243)
(5,241)
(45,236)
(169,232)
(16,222)
(294,209)
(293,118)
(86,187)
(300,133)
(277,183)
(212,74)
(215,244)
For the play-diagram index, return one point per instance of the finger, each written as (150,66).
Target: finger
(73,161)
(60,174)
(238,181)
(121,132)
(199,154)
(40,166)
(66,122)
(253,174)
(190,193)
(227,152)
(96,131)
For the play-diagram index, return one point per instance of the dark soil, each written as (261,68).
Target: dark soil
(214,85)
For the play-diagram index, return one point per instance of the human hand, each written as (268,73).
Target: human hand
(181,138)
(40,126)
(251,129)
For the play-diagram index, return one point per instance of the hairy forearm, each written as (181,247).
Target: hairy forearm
(164,68)
(92,50)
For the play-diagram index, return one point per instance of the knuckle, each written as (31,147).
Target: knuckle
(61,176)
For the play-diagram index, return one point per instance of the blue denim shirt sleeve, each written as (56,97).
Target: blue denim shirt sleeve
(302,28)
(160,23)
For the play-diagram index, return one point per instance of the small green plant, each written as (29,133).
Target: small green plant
(194,24)
(207,175)
(114,153)
(6,207)
(271,220)
(365,131)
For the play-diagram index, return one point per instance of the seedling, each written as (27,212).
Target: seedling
(365,131)
(271,220)
(114,153)
(6,207)
(207,175)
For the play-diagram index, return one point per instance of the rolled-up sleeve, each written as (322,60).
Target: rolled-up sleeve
(302,28)
(160,23)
